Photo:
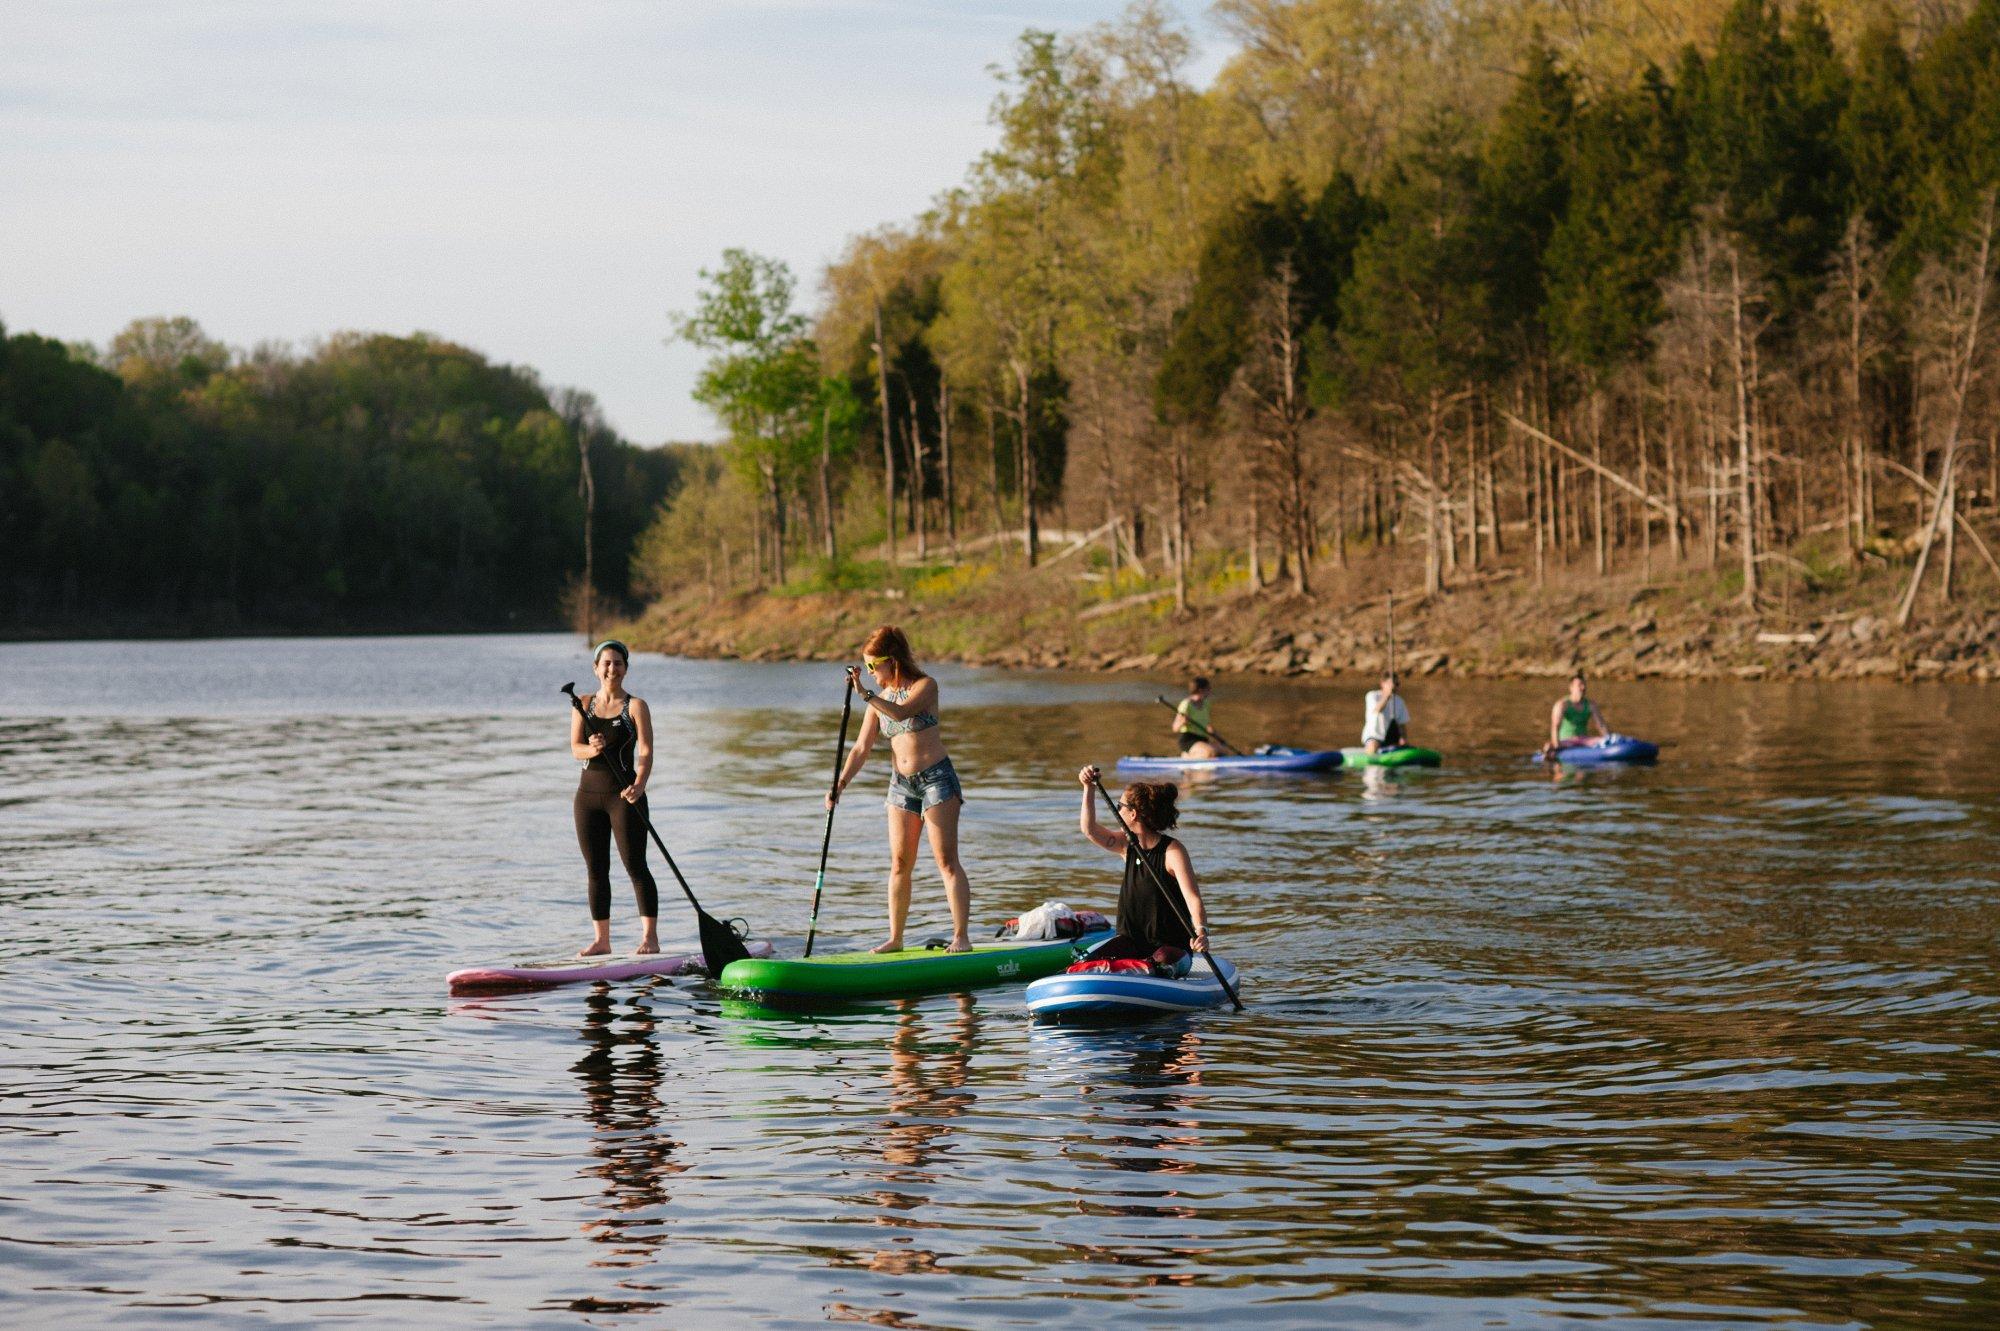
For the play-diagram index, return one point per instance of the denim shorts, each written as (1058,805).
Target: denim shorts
(926,790)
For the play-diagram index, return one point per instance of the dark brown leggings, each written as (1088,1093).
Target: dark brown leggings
(600,816)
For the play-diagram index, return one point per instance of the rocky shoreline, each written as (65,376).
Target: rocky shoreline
(1504,628)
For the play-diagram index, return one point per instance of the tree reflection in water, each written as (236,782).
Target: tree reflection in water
(622,1071)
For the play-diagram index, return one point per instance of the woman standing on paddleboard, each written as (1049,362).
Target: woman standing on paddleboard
(923,789)
(616,750)
(1151,926)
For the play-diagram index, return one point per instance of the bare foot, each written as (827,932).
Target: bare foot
(647,947)
(960,943)
(596,949)
(893,945)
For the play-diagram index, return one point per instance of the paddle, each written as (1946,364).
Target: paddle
(1200,730)
(1392,633)
(1173,900)
(720,944)
(826,841)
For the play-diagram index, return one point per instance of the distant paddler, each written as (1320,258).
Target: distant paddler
(1385,716)
(924,791)
(1571,720)
(1191,722)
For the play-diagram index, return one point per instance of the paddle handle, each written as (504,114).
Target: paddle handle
(1132,846)
(832,794)
(1201,730)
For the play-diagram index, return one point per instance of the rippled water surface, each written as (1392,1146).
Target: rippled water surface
(1704,1045)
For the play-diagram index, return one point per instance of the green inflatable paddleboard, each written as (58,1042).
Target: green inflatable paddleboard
(1406,755)
(843,975)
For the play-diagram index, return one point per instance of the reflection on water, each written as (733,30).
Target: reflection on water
(623,1072)
(1706,1044)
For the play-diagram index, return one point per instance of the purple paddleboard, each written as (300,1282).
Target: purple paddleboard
(578,970)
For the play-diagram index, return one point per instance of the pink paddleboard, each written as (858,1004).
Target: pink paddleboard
(577,970)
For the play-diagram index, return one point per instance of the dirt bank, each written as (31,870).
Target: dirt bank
(1691,625)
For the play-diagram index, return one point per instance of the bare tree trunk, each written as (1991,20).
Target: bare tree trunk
(1256,527)
(944,446)
(1030,533)
(993,457)
(916,488)
(777,523)
(1673,486)
(888,441)
(1472,484)
(1340,514)
(1965,359)
(1180,520)
(1746,489)
(1597,478)
(826,482)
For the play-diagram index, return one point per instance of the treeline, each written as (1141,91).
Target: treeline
(1556,287)
(165,483)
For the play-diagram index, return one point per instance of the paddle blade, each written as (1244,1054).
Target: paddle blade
(719,944)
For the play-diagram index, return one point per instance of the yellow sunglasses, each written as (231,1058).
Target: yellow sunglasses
(872,662)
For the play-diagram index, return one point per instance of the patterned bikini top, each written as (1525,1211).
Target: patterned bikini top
(921,721)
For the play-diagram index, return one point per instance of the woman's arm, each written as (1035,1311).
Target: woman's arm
(923,698)
(856,756)
(1105,838)
(1182,868)
(1555,723)
(642,754)
(1597,718)
(581,748)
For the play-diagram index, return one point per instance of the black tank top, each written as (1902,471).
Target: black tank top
(1143,913)
(620,735)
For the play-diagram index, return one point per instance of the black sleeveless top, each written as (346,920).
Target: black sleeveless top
(620,737)
(1143,914)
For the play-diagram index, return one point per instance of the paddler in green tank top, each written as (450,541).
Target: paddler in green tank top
(1191,730)
(1571,719)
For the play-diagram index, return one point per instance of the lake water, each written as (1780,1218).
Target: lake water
(1710,1044)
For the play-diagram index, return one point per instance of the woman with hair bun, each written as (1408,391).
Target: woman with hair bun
(924,791)
(1151,927)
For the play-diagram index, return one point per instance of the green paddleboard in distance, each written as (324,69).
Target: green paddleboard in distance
(1406,755)
(842,975)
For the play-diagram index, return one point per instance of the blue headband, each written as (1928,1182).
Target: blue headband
(624,652)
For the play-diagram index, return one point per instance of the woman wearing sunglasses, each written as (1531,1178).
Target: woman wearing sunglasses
(923,789)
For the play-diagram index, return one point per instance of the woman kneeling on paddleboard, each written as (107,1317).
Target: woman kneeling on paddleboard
(1151,927)
(923,789)
(616,750)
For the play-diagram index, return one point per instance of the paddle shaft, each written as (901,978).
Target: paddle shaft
(1199,729)
(833,796)
(1392,633)
(1132,845)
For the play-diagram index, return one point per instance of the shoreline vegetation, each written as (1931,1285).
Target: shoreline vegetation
(1656,341)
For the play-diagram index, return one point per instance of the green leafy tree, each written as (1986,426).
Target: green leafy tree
(763,379)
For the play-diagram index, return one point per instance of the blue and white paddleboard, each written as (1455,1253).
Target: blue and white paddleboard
(1126,996)
(1616,749)
(1278,758)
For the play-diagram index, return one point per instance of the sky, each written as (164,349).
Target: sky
(540,180)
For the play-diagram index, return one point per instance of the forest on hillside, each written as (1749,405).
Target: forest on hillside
(168,484)
(1582,287)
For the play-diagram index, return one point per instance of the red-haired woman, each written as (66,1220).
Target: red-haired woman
(923,789)
(1151,926)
